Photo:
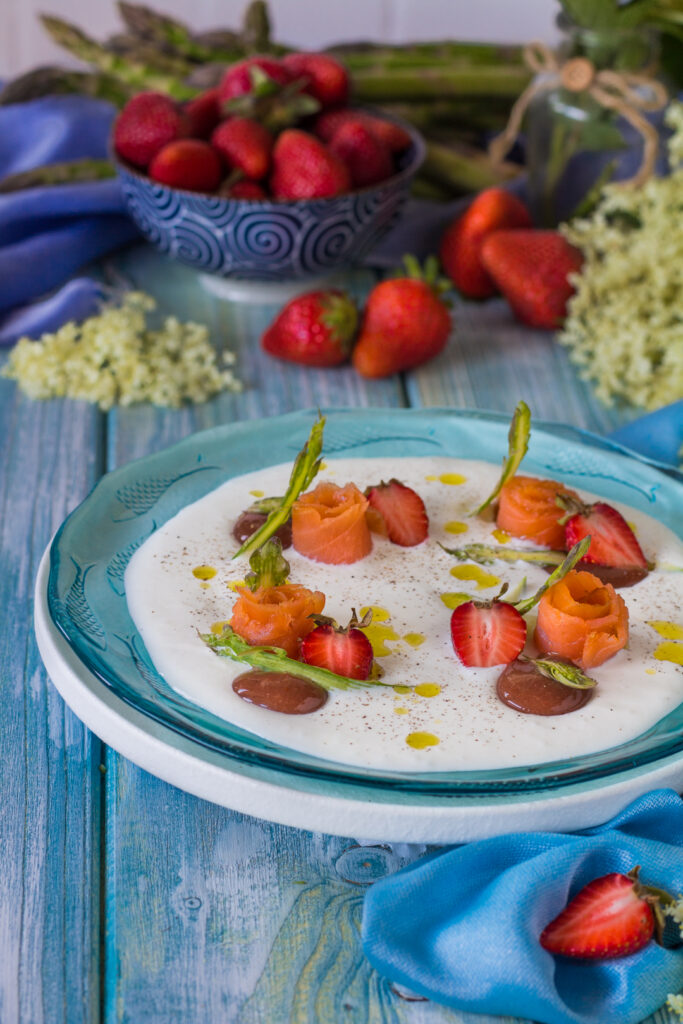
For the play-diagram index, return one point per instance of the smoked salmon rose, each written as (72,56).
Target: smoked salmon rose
(329,524)
(582,619)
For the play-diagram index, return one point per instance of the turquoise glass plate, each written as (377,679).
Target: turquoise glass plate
(89,555)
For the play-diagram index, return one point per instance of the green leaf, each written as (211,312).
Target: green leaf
(568,675)
(305,468)
(600,134)
(574,556)
(518,443)
(273,659)
(269,567)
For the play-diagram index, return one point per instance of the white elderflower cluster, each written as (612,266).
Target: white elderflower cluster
(115,359)
(625,322)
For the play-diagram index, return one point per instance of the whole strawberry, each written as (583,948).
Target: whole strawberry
(325,78)
(460,249)
(612,916)
(146,124)
(203,113)
(329,122)
(303,168)
(188,164)
(243,189)
(406,322)
(238,79)
(244,144)
(366,156)
(532,270)
(316,329)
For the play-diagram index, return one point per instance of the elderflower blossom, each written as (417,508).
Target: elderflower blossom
(115,359)
(625,322)
(675,910)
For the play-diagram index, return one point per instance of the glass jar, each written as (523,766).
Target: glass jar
(574,145)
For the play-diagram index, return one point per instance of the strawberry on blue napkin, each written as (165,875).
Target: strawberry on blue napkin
(47,233)
(461,927)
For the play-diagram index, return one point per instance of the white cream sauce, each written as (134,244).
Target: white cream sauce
(370,727)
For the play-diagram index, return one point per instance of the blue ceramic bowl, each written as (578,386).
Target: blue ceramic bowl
(268,240)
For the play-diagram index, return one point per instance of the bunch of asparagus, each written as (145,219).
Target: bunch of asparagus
(454,92)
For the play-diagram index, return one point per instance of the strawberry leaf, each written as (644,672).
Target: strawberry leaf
(306,466)
(518,444)
(273,659)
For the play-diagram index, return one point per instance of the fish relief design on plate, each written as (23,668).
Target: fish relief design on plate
(80,612)
(587,464)
(140,497)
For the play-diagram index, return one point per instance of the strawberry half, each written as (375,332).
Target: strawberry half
(346,651)
(402,511)
(612,916)
(613,542)
(486,633)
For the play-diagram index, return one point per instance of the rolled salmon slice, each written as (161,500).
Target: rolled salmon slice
(329,524)
(276,616)
(582,619)
(527,508)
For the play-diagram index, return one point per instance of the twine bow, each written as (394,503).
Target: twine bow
(615,90)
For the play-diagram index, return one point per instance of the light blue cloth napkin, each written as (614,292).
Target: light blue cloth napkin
(461,927)
(659,435)
(46,234)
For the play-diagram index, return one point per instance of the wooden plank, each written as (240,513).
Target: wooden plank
(50,456)
(195,894)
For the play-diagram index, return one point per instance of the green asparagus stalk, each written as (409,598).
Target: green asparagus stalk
(486,554)
(573,556)
(175,37)
(371,86)
(128,70)
(274,659)
(462,168)
(518,444)
(50,81)
(304,470)
(358,56)
(256,27)
(67,173)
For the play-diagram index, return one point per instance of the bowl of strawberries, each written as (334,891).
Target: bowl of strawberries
(268,176)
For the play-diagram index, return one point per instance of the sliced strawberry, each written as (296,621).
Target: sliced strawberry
(487,633)
(347,652)
(613,542)
(612,916)
(402,510)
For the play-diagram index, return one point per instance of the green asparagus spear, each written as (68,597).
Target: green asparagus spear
(462,168)
(134,73)
(486,554)
(371,86)
(50,81)
(518,444)
(274,659)
(66,173)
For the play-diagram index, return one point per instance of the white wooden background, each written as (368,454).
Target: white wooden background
(306,23)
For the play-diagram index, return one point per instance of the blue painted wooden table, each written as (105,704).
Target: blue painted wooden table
(124,900)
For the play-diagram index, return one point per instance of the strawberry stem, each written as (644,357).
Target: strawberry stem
(273,659)
(305,468)
(574,556)
(518,444)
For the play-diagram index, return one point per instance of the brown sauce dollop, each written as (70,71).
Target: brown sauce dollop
(249,522)
(618,576)
(522,687)
(280,691)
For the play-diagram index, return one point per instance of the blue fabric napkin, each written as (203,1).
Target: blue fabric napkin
(46,234)
(659,435)
(461,927)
